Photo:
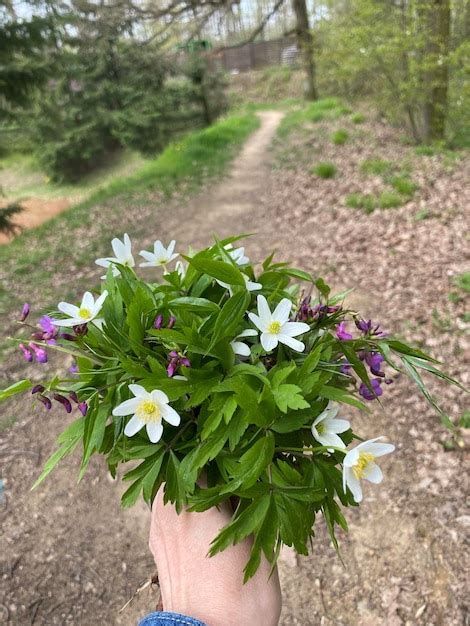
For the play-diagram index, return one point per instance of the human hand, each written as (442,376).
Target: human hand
(209,589)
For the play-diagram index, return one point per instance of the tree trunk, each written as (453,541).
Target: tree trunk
(438,28)
(305,43)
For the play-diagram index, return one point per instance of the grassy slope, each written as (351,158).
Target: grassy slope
(37,254)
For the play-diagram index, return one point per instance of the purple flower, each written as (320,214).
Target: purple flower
(368,328)
(374,361)
(65,402)
(48,327)
(81,329)
(24,312)
(67,337)
(158,322)
(46,401)
(39,353)
(345,368)
(83,408)
(73,396)
(306,312)
(73,369)
(341,332)
(367,394)
(37,389)
(27,354)
(171,322)
(175,361)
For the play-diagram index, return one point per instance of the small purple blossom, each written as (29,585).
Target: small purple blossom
(24,312)
(369,328)
(37,389)
(39,353)
(73,396)
(65,402)
(367,394)
(83,408)
(45,400)
(176,360)
(171,322)
(341,332)
(307,313)
(27,354)
(67,337)
(81,329)
(158,322)
(374,361)
(48,327)
(345,368)
(73,369)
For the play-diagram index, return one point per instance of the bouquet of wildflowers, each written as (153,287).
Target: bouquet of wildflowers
(222,382)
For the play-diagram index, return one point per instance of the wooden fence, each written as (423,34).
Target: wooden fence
(254,55)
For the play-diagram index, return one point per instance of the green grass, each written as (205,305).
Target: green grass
(425,151)
(358,118)
(327,108)
(365,201)
(389,199)
(462,281)
(340,137)
(190,161)
(422,214)
(325,170)
(378,167)
(404,185)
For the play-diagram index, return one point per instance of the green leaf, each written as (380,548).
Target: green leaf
(174,486)
(265,541)
(253,462)
(224,272)
(229,317)
(289,397)
(322,287)
(69,439)
(250,370)
(95,424)
(18,387)
(340,395)
(199,305)
(295,273)
(242,525)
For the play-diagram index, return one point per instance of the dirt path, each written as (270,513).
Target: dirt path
(72,556)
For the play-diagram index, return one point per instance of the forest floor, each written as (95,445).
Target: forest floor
(72,556)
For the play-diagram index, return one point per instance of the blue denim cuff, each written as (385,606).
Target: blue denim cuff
(169,619)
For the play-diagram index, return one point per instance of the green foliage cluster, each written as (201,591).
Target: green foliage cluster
(245,424)
(340,137)
(325,170)
(399,55)
(368,202)
(325,108)
(376,166)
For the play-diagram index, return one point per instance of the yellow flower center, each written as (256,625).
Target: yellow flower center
(274,328)
(320,428)
(363,461)
(84,313)
(148,411)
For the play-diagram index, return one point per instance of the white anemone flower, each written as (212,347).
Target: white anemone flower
(123,255)
(147,409)
(249,284)
(181,269)
(275,326)
(86,312)
(326,427)
(240,348)
(360,463)
(160,256)
(237,254)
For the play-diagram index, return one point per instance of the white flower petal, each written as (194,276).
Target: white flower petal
(248,332)
(88,302)
(133,426)
(373,473)
(263,310)
(351,457)
(147,255)
(139,391)
(269,341)
(282,311)
(154,431)
(252,286)
(73,321)
(68,309)
(99,302)
(170,415)
(119,248)
(354,485)
(128,407)
(127,244)
(338,425)
(292,329)
(98,322)
(379,449)
(104,262)
(257,321)
(296,345)
(240,348)
(159,397)
(330,439)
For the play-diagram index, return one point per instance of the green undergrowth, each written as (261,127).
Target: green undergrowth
(368,202)
(325,170)
(188,162)
(325,109)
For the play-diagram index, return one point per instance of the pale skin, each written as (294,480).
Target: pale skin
(209,589)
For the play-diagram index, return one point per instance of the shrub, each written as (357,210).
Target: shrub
(389,200)
(425,151)
(325,170)
(404,185)
(358,118)
(376,166)
(340,137)
(365,201)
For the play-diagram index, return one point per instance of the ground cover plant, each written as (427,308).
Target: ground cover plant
(210,369)
(325,170)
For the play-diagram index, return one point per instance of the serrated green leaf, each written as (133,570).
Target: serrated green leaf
(289,396)
(253,462)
